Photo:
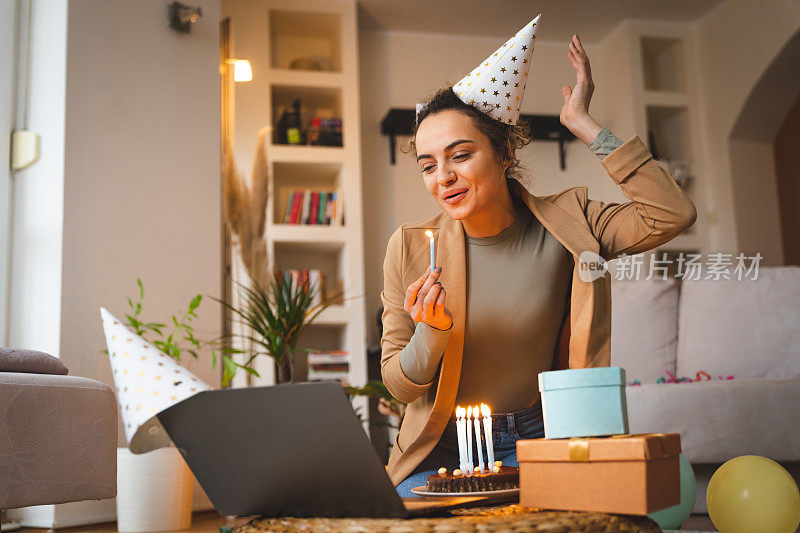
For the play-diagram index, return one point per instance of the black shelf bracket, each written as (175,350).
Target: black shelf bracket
(397,122)
(543,128)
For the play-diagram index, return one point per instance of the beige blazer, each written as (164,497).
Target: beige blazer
(658,211)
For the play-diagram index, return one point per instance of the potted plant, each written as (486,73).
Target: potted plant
(155,488)
(275,316)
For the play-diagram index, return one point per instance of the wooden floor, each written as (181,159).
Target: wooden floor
(210,522)
(204,522)
(699,522)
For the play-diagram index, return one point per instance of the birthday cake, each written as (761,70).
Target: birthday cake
(499,478)
(469,478)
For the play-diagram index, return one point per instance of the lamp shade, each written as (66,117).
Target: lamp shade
(242,71)
(147,382)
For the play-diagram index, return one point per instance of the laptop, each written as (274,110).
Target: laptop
(288,450)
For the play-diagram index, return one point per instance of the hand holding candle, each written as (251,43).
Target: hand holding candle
(487,428)
(429,233)
(425,301)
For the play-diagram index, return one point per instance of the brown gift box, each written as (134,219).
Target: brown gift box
(622,474)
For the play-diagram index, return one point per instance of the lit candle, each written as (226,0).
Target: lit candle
(429,233)
(487,429)
(469,438)
(477,414)
(461,428)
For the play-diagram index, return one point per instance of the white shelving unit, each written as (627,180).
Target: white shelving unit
(664,108)
(327,30)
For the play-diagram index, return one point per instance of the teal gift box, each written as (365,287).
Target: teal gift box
(584,402)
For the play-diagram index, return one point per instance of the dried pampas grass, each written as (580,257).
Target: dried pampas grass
(244,209)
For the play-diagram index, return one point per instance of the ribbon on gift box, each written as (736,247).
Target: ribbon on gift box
(579,446)
(578,449)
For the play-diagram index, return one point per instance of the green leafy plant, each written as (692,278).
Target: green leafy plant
(376,389)
(180,337)
(275,316)
(372,389)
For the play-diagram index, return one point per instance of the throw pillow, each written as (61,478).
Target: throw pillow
(747,328)
(30,362)
(644,327)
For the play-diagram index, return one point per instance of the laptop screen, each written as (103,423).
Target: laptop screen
(291,449)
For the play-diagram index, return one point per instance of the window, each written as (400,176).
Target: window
(8,56)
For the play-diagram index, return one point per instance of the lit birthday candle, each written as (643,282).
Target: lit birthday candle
(487,429)
(477,414)
(461,428)
(429,233)
(469,438)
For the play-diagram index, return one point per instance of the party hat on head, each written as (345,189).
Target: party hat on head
(147,382)
(496,86)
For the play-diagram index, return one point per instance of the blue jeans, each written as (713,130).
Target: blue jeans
(507,429)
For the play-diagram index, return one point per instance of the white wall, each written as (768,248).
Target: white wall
(128,185)
(758,224)
(142,172)
(734,43)
(398,69)
(613,72)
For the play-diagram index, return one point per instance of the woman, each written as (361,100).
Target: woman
(507,299)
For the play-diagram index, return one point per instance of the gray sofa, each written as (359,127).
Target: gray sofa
(58,439)
(746,329)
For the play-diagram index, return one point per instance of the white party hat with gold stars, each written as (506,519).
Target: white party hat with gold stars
(147,382)
(496,86)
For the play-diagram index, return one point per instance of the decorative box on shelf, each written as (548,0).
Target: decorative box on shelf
(622,474)
(584,402)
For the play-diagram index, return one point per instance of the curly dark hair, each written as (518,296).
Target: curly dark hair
(506,139)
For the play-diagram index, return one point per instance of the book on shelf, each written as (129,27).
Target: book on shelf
(341,378)
(306,207)
(330,368)
(323,197)
(314,207)
(332,365)
(329,357)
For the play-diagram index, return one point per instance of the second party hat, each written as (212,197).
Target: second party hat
(147,382)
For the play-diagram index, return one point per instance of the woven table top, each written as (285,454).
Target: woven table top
(509,518)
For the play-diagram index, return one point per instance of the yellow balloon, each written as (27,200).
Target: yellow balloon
(752,493)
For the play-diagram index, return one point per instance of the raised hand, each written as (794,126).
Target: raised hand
(575,111)
(425,299)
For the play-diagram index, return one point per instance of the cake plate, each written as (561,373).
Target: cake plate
(420,491)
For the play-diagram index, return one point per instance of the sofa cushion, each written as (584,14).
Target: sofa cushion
(58,440)
(746,328)
(644,327)
(30,362)
(720,420)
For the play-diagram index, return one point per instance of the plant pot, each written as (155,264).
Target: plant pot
(154,491)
